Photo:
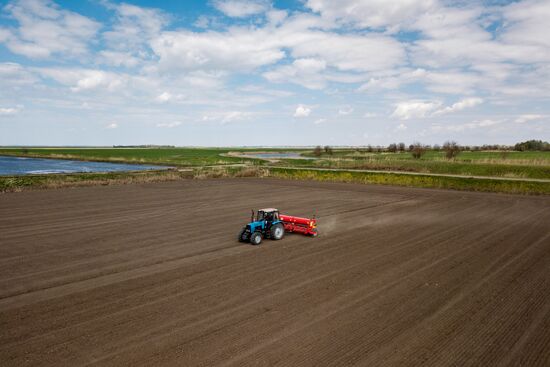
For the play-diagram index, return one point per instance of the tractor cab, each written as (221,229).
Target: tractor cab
(268,215)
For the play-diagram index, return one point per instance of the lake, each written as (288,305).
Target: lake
(11,166)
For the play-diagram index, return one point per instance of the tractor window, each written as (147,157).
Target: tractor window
(260,216)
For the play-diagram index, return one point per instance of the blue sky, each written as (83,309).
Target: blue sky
(280,73)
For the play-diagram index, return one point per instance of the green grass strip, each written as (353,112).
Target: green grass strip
(426,181)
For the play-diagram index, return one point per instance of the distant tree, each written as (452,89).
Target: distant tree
(401,147)
(417,150)
(532,145)
(436,147)
(369,148)
(318,151)
(411,147)
(328,150)
(24,151)
(451,148)
(392,148)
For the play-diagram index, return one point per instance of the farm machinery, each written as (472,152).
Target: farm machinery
(269,223)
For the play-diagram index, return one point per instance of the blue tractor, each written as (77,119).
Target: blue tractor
(267,224)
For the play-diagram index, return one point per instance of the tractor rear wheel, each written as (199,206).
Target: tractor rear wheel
(243,236)
(256,238)
(277,231)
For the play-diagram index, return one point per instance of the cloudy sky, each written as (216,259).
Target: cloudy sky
(280,72)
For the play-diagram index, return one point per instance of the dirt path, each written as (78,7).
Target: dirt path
(152,275)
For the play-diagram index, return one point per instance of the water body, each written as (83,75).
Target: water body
(288,155)
(37,166)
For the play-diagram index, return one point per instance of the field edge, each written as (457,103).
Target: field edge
(30,182)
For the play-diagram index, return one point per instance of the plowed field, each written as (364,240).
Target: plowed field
(152,275)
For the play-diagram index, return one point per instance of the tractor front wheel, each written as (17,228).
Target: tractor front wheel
(277,231)
(243,236)
(256,238)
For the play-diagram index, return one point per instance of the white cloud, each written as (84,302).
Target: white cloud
(347,110)
(85,79)
(13,74)
(351,52)
(169,125)
(476,124)
(393,79)
(44,30)
(4,35)
(372,13)
(401,127)
(449,81)
(527,23)
(457,36)
(238,50)
(241,8)
(112,125)
(369,115)
(319,121)
(10,110)
(234,116)
(458,106)
(414,109)
(94,79)
(134,26)
(420,109)
(305,72)
(242,49)
(164,97)
(227,116)
(276,16)
(302,111)
(116,58)
(528,117)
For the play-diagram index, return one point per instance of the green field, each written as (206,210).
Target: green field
(488,164)
(186,157)
(516,165)
(425,181)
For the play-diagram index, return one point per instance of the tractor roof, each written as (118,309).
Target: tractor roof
(267,210)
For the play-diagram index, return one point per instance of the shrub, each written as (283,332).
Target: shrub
(451,148)
(318,151)
(417,150)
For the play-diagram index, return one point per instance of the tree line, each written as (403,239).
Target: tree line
(451,148)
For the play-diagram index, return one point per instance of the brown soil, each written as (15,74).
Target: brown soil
(152,274)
